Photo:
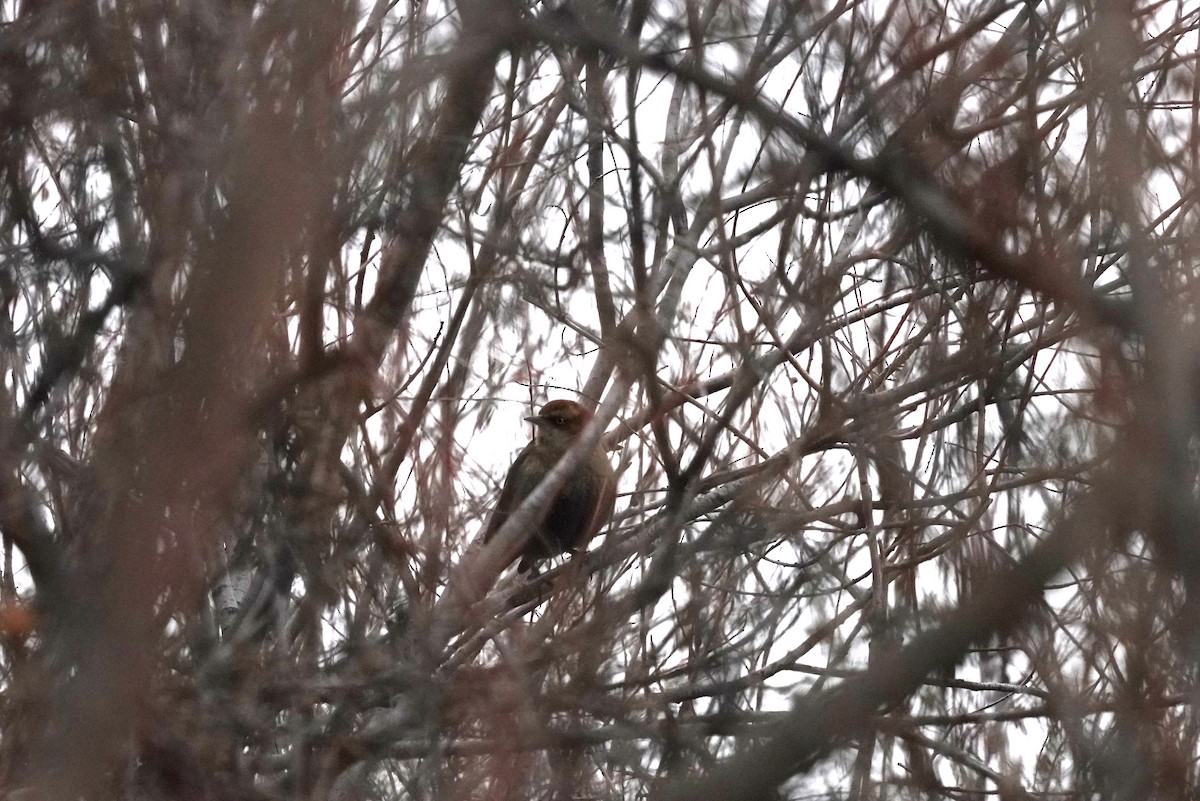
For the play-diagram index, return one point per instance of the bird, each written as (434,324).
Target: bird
(582,505)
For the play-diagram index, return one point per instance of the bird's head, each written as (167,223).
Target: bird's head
(560,421)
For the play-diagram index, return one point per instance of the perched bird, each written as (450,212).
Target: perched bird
(583,504)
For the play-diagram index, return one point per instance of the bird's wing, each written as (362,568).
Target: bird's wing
(513,493)
(606,501)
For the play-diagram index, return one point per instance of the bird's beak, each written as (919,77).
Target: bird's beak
(537,421)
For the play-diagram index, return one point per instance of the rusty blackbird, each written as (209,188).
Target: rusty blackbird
(583,504)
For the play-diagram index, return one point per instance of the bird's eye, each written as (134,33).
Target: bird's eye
(558,421)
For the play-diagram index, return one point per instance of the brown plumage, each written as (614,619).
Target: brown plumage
(584,503)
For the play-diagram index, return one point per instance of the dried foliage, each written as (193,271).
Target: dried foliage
(885,311)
